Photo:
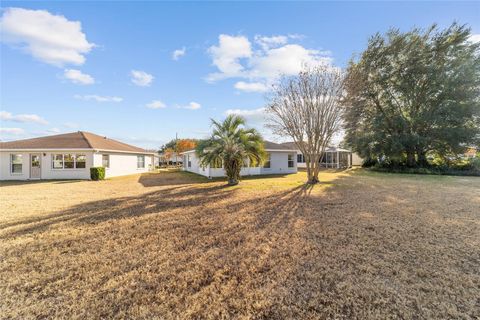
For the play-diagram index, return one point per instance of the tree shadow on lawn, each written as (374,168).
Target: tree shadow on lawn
(175,197)
(184,177)
(119,208)
(211,251)
(170,178)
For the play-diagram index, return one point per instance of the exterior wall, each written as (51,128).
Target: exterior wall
(195,165)
(47,172)
(356,160)
(122,164)
(278,165)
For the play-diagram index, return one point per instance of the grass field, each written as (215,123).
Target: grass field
(175,245)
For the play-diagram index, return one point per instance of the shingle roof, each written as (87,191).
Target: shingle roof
(292,145)
(73,140)
(277,146)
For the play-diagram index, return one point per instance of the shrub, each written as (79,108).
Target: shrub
(97,173)
(369,162)
(435,170)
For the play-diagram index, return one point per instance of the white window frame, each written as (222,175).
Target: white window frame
(138,157)
(108,160)
(292,160)
(52,156)
(76,157)
(11,163)
(301,157)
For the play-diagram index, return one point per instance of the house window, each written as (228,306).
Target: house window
(57,161)
(17,163)
(80,161)
(300,158)
(189,161)
(267,161)
(68,161)
(140,162)
(106,161)
(291,163)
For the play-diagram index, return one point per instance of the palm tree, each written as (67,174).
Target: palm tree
(233,145)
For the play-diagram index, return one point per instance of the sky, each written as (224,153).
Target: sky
(142,72)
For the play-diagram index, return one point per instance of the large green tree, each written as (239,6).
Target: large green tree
(413,93)
(233,146)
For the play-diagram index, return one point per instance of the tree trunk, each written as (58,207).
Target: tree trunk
(411,158)
(422,158)
(232,170)
(313,176)
(232,182)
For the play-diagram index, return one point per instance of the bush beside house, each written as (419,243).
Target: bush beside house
(97,173)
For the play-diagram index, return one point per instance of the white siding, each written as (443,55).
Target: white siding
(47,172)
(122,164)
(356,160)
(278,165)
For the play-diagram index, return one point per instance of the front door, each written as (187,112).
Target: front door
(35,166)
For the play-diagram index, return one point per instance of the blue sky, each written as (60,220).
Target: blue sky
(142,71)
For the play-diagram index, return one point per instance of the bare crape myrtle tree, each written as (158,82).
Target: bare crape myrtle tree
(307,108)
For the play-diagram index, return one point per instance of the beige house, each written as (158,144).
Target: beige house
(70,156)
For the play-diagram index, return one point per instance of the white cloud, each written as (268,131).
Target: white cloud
(141,78)
(7,116)
(12,131)
(191,106)
(285,60)
(78,77)
(269,58)
(178,53)
(251,86)
(269,42)
(156,104)
(90,97)
(226,56)
(252,116)
(50,38)
(474,38)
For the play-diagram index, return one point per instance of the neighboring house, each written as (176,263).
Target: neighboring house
(333,158)
(280,160)
(174,159)
(70,156)
(156,157)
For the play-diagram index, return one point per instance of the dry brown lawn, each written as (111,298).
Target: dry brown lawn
(173,245)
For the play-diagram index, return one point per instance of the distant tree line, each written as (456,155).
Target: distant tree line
(177,146)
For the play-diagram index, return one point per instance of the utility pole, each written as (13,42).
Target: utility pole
(176,148)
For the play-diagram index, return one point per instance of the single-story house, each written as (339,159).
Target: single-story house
(333,157)
(281,159)
(70,156)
